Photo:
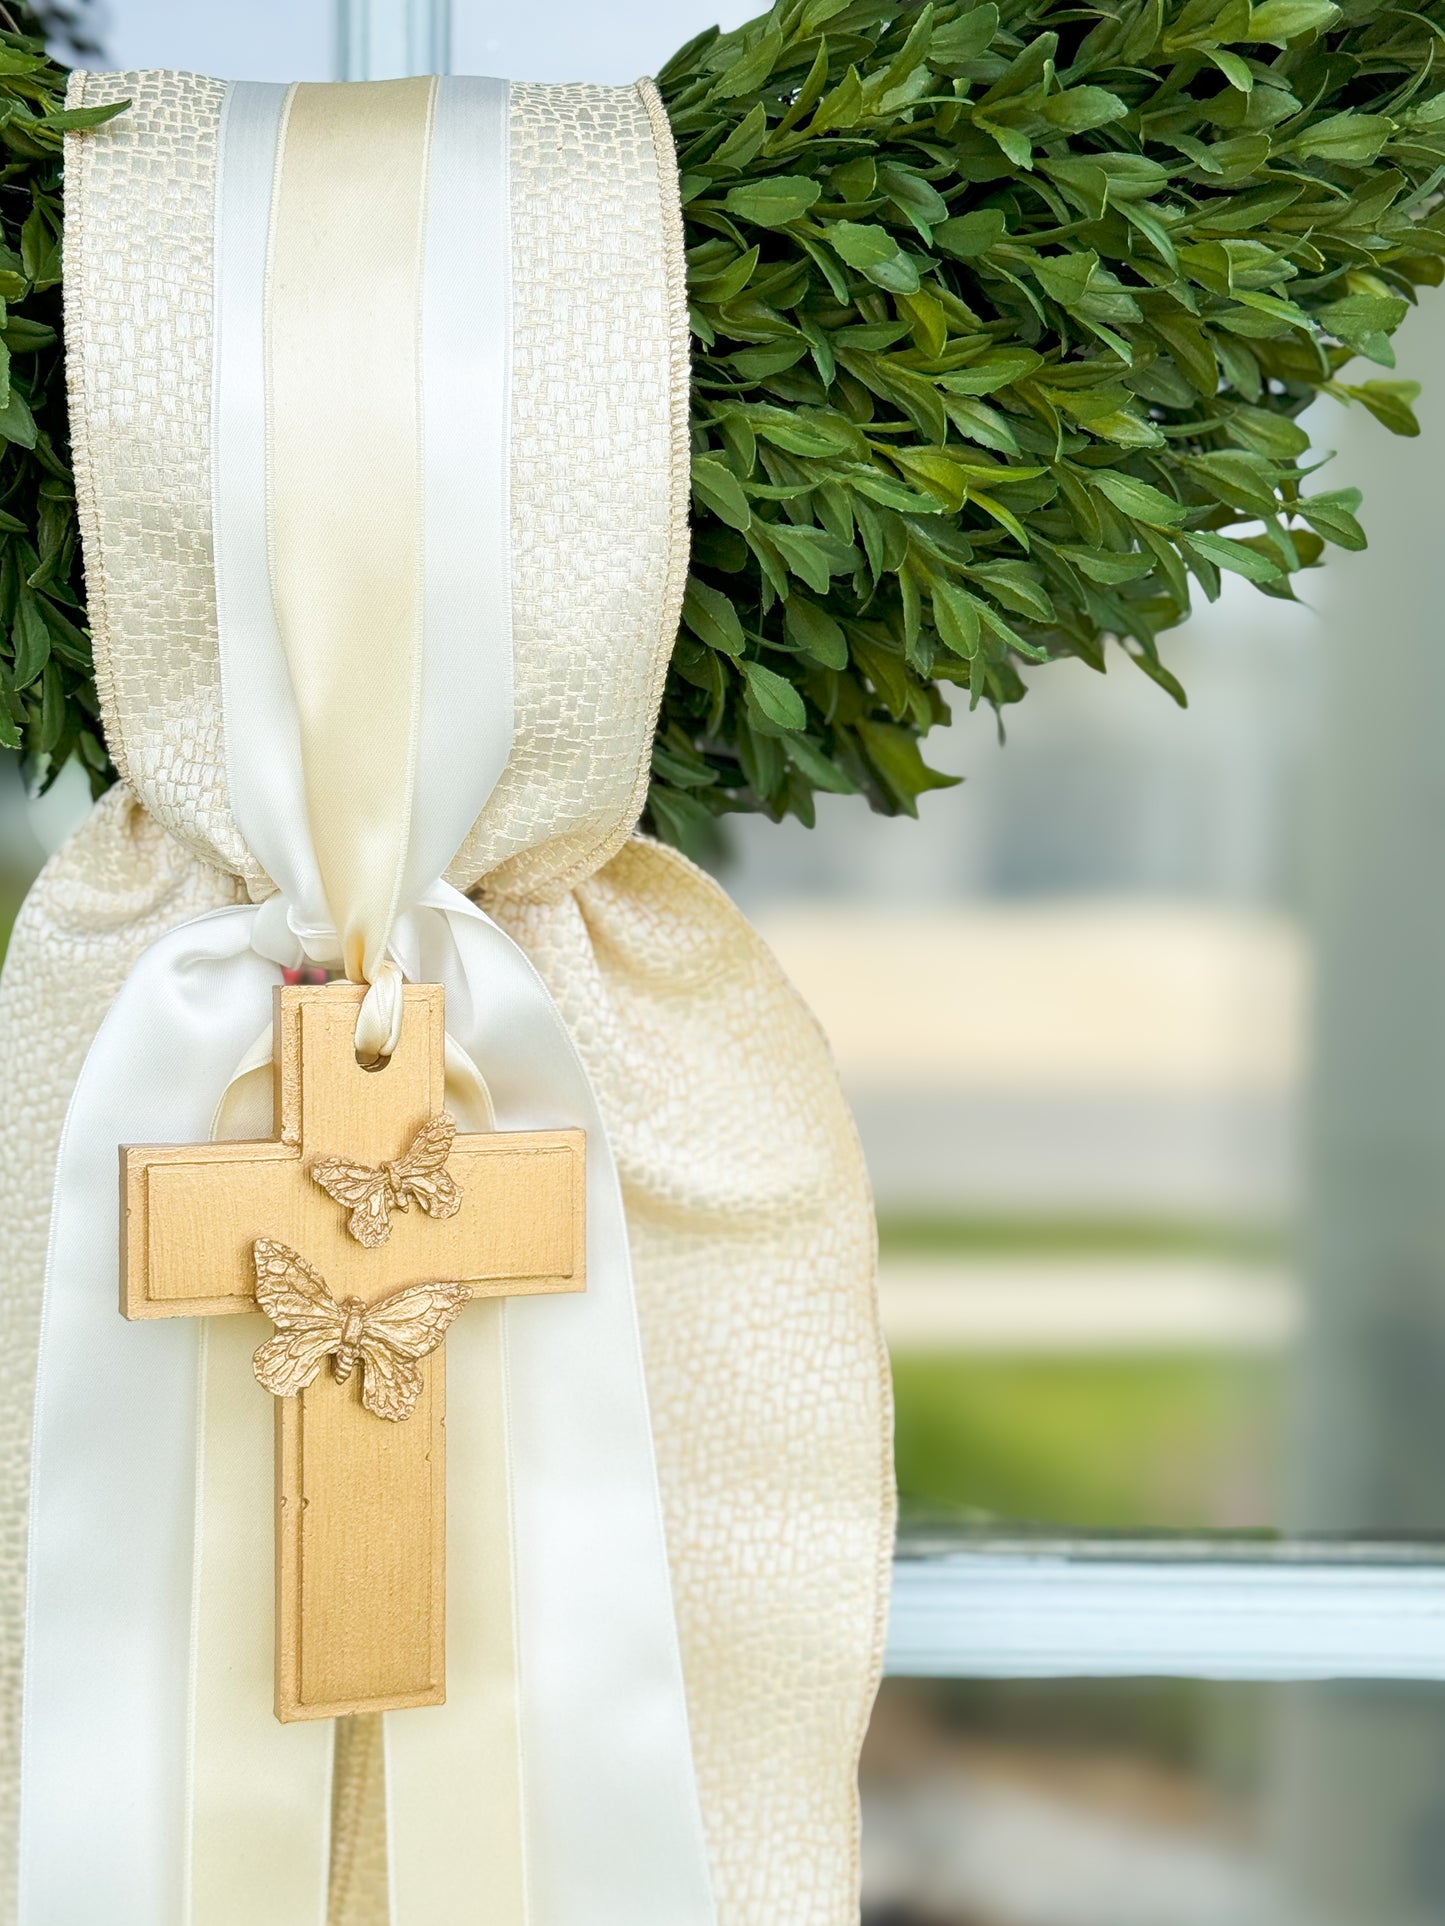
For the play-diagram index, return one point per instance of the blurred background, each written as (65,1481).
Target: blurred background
(1142,1027)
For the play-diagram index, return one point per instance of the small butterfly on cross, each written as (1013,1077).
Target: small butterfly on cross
(372,1192)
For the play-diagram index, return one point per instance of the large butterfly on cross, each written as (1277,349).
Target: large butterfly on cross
(386,1339)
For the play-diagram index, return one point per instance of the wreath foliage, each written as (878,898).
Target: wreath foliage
(1003,314)
(48,705)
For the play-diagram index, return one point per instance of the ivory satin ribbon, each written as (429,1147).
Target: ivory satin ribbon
(367,702)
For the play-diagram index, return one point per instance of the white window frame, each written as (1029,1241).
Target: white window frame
(383,39)
(1204,1609)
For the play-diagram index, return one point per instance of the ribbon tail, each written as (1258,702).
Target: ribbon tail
(116,1820)
(611,1812)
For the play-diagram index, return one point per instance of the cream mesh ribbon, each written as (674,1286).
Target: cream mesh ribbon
(341,779)
(747,1210)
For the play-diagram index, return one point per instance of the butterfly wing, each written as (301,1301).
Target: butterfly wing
(396,1332)
(288,1362)
(421,1175)
(415,1319)
(390,1384)
(308,1320)
(364,1192)
(290,1291)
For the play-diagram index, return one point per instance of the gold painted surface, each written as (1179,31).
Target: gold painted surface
(360,1553)
(361,1518)
(195,1212)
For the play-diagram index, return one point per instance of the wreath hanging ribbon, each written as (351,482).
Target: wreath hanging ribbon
(287,604)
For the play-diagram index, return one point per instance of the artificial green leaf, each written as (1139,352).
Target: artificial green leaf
(39,251)
(1156,672)
(681,820)
(29,640)
(956,616)
(841,107)
(1350,136)
(976,421)
(1388,401)
(1015,586)
(1080,283)
(745,141)
(1236,71)
(929,322)
(1235,556)
(957,43)
(1357,317)
(812,554)
(752,70)
(814,631)
(996,370)
(70,120)
(718,489)
(967,236)
(1281,21)
(1333,516)
(1246,481)
(729,282)
(895,754)
(1106,565)
(774,201)
(775,697)
(805,755)
(875,253)
(1082,108)
(712,618)
(916,198)
(1139,500)
(17,424)
(941,473)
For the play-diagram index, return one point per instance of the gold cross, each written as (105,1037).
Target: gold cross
(360,1503)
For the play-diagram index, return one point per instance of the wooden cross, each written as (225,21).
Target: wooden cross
(361,1503)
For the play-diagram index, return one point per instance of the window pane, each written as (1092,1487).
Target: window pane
(1154,1803)
(580,40)
(1070,1008)
(1142,1030)
(244,40)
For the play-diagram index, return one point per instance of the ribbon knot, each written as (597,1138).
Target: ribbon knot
(283,935)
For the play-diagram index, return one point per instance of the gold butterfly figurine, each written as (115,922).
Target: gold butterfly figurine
(372,1192)
(386,1338)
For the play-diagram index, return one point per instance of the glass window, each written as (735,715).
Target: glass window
(1071,1007)
(579,40)
(1141,1027)
(1149,1802)
(247,40)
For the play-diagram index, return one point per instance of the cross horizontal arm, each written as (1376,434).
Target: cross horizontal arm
(193,1214)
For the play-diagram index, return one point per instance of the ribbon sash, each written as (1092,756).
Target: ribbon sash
(367,704)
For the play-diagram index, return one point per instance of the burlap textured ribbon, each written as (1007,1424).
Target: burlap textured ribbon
(747,1215)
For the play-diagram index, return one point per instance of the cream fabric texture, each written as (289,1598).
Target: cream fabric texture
(747,1201)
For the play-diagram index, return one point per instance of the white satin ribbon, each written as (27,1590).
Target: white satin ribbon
(612,1831)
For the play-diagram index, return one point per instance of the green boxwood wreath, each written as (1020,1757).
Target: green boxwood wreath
(1002,318)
